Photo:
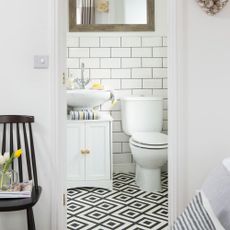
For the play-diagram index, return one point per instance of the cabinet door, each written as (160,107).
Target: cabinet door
(75,160)
(98,161)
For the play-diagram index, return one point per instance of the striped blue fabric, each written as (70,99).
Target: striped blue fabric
(194,217)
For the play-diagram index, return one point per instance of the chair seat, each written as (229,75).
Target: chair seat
(7,205)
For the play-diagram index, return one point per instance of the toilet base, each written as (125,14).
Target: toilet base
(148,179)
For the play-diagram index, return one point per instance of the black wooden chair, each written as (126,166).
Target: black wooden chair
(17,134)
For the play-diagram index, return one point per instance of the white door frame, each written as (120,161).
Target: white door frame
(58,18)
(176,107)
(175,117)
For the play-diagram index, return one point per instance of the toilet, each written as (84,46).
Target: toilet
(142,119)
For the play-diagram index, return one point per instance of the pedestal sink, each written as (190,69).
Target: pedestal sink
(87,98)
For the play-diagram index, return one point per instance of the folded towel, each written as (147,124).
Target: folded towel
(84,114)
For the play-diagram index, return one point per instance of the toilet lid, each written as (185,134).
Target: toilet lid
(150,138)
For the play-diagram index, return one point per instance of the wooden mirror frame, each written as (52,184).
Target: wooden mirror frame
(73,27)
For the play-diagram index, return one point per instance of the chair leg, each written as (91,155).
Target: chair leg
(30,219)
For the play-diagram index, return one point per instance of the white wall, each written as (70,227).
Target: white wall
(25,31)
(161,17)
(207,91)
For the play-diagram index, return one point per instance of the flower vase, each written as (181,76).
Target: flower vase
(7,179)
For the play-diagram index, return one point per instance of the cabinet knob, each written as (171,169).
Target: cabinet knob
(87,151)
(83,151)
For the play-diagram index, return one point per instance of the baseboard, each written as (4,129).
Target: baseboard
(124,168)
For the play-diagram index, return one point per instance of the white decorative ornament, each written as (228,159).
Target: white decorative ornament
(212,7)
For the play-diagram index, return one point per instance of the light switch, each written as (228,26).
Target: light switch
(41,62)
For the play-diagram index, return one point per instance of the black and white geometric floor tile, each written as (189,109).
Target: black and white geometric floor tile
(125,207)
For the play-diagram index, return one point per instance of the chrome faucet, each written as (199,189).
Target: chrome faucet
(82,82)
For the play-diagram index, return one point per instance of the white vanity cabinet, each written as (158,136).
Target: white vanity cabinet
(89,153)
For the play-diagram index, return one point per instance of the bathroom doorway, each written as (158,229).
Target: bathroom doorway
(91,48)
(116,192)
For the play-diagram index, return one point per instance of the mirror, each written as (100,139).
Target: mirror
(111,15)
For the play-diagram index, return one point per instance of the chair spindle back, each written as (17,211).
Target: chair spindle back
(20,127)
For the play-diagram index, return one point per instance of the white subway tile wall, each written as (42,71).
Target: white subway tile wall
(121,52)
(110,42)
(129,65)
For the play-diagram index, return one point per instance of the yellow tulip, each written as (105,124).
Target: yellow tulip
(18,153)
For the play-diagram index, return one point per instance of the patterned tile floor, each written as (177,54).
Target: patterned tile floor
(126,207)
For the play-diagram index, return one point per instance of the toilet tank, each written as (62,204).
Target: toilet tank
(141,114)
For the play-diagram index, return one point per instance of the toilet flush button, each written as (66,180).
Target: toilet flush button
(41,62)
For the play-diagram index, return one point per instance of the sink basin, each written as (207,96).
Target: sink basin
(87,98)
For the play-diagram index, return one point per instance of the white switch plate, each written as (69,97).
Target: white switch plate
(41,62)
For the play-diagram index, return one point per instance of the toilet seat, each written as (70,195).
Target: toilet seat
(149,140)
